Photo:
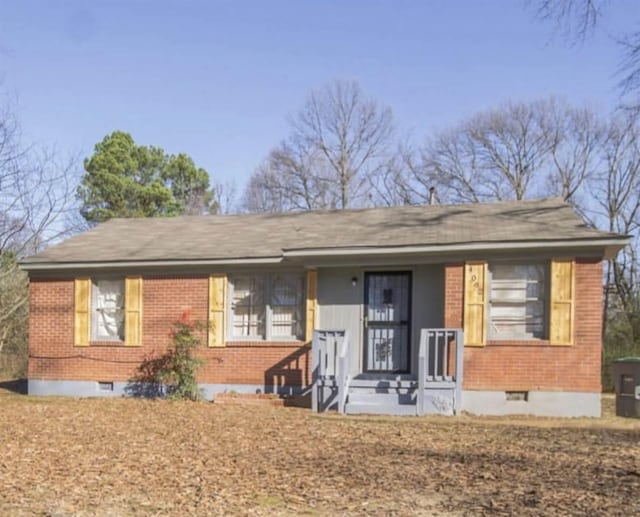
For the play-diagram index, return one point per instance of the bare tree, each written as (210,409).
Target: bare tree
(516,151)
(575,138)
(578,20)
(395,184)
(629,69)
(36,196)
(224,197)
(338,141)
(615,206)
(291,178)
(616,192)
(492,156)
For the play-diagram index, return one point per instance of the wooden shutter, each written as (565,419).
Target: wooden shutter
(217,296)
(133,311)
(312,304)
(82,311)
(562,302)
(475,302)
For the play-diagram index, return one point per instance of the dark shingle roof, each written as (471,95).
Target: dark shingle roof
(272,234)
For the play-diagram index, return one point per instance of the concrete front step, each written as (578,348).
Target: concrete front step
(382,398)
(359,408)
(364,401)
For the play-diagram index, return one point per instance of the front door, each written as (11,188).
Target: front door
(387,299)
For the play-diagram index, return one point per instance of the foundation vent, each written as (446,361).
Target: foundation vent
(105,386)
(521,396)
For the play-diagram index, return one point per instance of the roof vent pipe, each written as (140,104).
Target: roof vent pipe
(432,195)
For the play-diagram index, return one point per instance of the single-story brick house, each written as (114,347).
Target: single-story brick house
(491,308)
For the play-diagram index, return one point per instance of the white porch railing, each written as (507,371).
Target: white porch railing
(440,364)
(331,364)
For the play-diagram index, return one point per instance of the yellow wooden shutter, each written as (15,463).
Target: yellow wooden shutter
(562,299)
(475,301)
(217,296)
(312,304)
(133,311)
(82,312)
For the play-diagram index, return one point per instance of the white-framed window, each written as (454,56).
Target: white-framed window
(107,310)
(518,307)
(248,306)
(267,306)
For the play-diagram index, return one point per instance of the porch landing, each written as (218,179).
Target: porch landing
(388,394)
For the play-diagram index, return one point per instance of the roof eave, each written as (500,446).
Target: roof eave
(129,264)
(609,245)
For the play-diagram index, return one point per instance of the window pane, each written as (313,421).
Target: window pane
(286,305)
(248,306)
(109,310)
(276,299)
(517,301)
(387,296)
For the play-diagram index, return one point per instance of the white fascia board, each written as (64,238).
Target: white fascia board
(61,266)
(445,248)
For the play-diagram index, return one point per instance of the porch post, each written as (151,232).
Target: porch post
(315,371)
(422,370)
(457,403)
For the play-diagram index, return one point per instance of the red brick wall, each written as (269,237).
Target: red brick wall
(536,365)
(165,299)
(529,365)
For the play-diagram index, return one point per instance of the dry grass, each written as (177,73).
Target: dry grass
(63,456)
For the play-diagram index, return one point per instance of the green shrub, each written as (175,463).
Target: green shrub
(179,369)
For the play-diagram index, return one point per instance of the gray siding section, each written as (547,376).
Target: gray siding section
(428,305)
(340,306)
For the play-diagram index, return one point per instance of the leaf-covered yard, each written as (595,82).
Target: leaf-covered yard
(63,456)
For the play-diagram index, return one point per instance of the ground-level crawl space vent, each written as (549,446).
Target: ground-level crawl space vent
(105,385)
(522,396)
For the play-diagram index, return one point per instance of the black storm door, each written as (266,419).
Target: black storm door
(387,300)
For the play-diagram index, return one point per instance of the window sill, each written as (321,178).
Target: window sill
(107,344)
(262,343)
(519,342)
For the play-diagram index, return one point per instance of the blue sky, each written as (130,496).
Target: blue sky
(217,79)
